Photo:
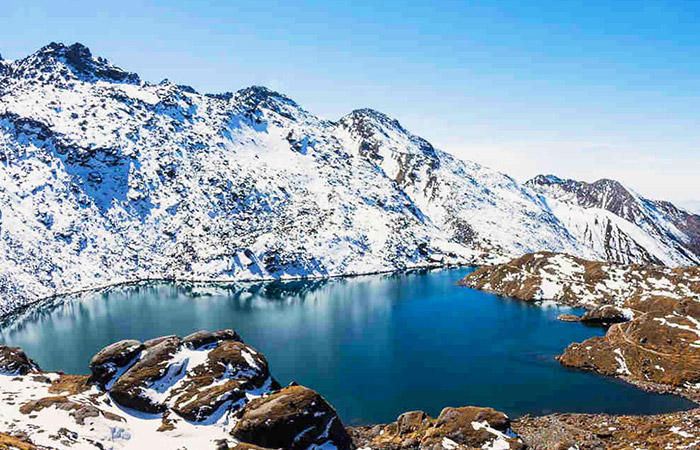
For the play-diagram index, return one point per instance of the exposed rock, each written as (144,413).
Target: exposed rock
(199,339)
(77,410)
(13,361)
(660,345)
(155,363)
(293,418)
(655,312)
(455,428)
(105,364)
(606,314)
(568,318)
(231,370)
(578,282)
(598,431)
(70,385)
(10,442)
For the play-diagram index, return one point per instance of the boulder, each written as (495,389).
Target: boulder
(155,363)
(293,418)
(568,318)
(605,314)
(199,339)
(108,361)
(231,370)
(472,427)
(13,361)
(455,428)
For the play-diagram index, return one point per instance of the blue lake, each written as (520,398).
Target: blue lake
(374,346)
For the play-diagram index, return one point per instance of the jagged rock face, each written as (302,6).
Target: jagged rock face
(56,62)
(675,229)
(106,179)
(294,418)
(455,428)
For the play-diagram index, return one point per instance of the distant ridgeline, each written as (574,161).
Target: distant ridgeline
(105,178)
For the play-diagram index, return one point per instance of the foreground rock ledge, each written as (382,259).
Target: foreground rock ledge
(206,390)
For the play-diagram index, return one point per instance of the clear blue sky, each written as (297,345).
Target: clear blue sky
(583,89)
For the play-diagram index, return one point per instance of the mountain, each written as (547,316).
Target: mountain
(660,233)
(106,178)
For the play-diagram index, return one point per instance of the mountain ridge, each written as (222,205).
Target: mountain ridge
(106,178)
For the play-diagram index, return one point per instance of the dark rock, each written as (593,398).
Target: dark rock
(199,339)
(13,361)
(293,418)
(605,314)
(105,364)
(227,335)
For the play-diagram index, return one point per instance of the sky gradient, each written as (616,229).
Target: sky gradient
(581,89)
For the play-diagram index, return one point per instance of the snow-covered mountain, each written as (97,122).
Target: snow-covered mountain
(105,178)
(621,224)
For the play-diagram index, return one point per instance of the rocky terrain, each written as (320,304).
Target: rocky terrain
(211,390)
(654,339)
(678,431)
(106,178)
(207,390)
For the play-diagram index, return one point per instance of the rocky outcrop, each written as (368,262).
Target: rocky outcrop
(606,314)
(654,340)
(658,349)
(13,361)
(182,392)
(573,281)
(294,418)
(193,377)
(109,361)
(455,428)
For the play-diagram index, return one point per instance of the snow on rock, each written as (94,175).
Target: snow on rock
(169,392)
(574,281)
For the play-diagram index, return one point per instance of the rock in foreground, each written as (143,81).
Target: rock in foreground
(455,428)
(183,393)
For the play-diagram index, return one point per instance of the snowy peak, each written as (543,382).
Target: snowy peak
(606,194)
(376,131)
(676,230)
(74,61)
(254,99)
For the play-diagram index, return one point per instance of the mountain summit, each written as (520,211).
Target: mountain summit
(105,178)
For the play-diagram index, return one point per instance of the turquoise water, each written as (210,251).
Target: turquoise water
(374,346)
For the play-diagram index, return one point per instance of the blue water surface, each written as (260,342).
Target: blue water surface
(374,346)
